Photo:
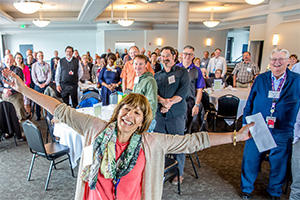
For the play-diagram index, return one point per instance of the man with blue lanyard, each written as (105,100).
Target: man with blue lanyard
(197,83)
(276,95)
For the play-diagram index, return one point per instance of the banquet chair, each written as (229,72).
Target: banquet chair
(171,170)
(227,109)
(208,107)
(202,117)
(50,151)
(9,122)
(50,127)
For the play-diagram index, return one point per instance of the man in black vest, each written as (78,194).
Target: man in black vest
(68,73)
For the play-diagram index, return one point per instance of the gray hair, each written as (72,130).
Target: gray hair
(278,50)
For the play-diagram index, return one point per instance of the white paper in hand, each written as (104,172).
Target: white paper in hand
(88,155)
(261,133)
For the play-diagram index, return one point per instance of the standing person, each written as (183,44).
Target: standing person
(205,60)
(68,73)
(128,73)
(148,54)
(99,64)
(245,72)
(293,59)
(146,85)
(90,59)
(8,93)
(276,95)
(217,62)
(41,76)
(52,63)
(197,83)
(76,54)
(29,52)
(124,54)
(87,67)
(197,62)
(53,71)
(119,61)
(19,62)
(173,86)
(138,172)
(110,79)
(154,64)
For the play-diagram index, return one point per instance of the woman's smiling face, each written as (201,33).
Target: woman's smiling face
(129,119)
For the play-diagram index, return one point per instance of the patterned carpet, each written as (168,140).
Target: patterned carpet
(219,175)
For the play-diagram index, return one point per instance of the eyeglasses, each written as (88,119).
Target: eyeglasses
(188,54)
(279,59)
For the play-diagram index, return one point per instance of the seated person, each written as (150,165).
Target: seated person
(210,81)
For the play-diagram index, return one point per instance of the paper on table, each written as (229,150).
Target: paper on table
(261,133)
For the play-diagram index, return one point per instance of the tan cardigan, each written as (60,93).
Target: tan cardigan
(155,146)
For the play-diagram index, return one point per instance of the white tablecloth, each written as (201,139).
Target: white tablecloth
(241,93)
(70,138)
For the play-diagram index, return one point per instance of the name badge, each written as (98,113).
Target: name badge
(271,121)
(71,72)
(5,85)
(88,155)
(136,80)
(214,70)
(249,69)
(171,79)
(274,94)
(203,63)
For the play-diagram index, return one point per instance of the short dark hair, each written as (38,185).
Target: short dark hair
(172,50)
(69,47)
(154,53)
(206,52)
(294,55)
(189,47)
(218,49)
(141,57)
(247,52)
(111,56)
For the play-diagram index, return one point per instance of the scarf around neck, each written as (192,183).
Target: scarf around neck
(104,157)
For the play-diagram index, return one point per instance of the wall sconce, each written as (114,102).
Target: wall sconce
(275,39)
(208,42)
(159,42)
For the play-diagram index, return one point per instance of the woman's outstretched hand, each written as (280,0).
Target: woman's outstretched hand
(13,80)
(244,133)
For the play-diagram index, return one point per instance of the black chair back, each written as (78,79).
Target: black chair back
(34,137)
(228,105)
(205,101)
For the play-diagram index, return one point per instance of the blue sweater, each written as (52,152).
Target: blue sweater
(287,105)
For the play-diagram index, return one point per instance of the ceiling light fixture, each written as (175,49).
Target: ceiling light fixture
(27,6)
(254,2)
(211,22)
(41,22)
(125,22)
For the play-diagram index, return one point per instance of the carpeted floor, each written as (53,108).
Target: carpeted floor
(219,175)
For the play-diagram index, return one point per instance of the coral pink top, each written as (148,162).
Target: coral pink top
(26,73)
(129,187)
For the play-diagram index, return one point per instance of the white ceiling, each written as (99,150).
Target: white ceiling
(94,14)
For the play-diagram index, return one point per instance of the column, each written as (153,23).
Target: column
(183,25)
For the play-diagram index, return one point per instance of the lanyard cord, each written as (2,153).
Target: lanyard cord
(274,101)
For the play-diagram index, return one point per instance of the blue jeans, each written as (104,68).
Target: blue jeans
(251,164)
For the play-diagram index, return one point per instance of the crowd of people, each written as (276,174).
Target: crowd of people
(173,84)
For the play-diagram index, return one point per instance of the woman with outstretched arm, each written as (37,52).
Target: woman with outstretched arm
(127,162)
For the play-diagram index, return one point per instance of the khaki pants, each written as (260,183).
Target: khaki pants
(243,85)
(18,102)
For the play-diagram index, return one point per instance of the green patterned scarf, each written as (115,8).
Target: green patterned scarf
(104,157)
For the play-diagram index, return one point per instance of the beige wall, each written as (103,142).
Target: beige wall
(289,38)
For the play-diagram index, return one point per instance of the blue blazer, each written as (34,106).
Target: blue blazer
(287,105)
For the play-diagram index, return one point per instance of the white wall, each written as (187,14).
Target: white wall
(240,38)
(289,34)
(50,41)
(100,41)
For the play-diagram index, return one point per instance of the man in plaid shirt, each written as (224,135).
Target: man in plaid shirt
(245,72)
